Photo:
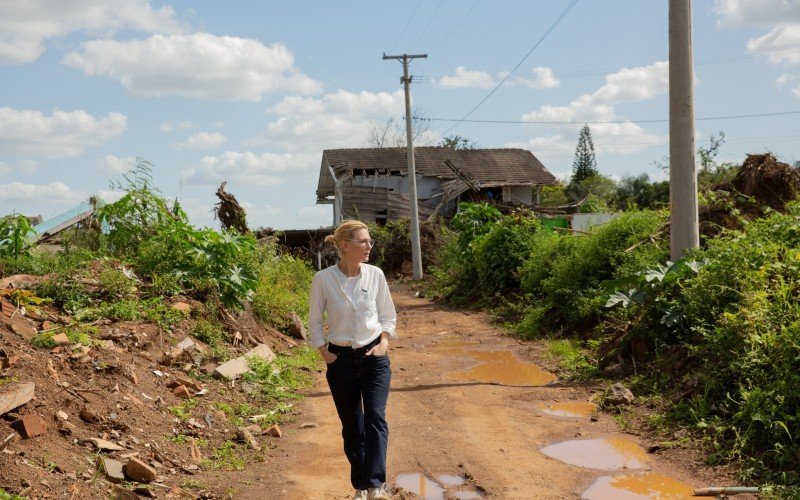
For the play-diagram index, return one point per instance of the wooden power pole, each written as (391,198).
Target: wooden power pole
(416,250)
(684,223)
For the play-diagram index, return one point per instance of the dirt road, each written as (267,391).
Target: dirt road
(450,427)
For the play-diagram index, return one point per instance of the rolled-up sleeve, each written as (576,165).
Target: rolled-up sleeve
(316,308)
(387,316)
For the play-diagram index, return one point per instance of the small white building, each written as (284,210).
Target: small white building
(372,184)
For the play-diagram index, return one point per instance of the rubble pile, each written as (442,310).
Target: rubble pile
(135,411)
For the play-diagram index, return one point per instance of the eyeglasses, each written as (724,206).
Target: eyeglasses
(364,243)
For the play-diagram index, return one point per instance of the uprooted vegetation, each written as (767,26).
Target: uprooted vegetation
(710,341)
(125,334)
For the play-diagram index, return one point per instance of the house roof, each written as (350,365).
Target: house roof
(489,167)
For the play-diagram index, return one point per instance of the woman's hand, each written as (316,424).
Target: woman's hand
(327,355)
(381,348)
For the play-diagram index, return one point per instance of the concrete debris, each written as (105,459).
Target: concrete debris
(296,327)
(61,415)
(618,395)
(246,436)
(239,366)
(103,445)
(112,469)
(14,397)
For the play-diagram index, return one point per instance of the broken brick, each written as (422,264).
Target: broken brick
(89,416)
(139,471)
(182,392)
(182,307)
(274,431)
(61,339)
(30,426)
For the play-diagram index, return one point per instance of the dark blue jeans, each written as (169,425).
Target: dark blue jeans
(360,387)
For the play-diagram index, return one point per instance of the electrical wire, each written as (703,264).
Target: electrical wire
(598,122)
(454,28)
(541,39)
(407,25)
(425,29)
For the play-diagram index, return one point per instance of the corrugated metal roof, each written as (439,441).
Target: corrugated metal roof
(495,167)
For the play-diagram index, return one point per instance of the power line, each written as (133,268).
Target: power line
(407,25)
(599,71)
(454,28)
(541,39)
(425,29)
(598,122)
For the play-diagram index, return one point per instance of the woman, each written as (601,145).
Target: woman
(361,320)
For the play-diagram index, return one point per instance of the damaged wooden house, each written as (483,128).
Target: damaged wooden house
(372,185)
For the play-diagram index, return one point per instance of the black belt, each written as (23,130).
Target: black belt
(358,351)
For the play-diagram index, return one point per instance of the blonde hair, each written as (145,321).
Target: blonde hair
(344,232)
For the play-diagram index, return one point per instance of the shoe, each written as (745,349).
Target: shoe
(378,494)
(360,495)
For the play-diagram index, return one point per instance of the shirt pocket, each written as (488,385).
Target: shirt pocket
(368,304)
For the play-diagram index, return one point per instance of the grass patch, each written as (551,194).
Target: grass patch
(225,457)
(184,411)
(81,334)
(572,357)
(281,379)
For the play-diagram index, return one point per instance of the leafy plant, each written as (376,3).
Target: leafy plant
(15,236)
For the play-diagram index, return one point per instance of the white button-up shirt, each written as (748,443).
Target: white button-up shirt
(351,322)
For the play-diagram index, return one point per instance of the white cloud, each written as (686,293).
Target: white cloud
(625,86)
(464,79)
(202,140)
(340,119)
(55,193)
(25,167)
(758,12)
(199,65)
(110,195)
(796,91)
(784,79)
(543,78)
(781,45)
(26,24)
(61,134)
(116,165)
(250,169)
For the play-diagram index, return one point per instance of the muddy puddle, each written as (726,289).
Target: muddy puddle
(603,454)
(574,409)
(502,367)
(453,484)
(638,486)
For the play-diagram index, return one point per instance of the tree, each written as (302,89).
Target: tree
(585,163)
(458,142)
(391,133)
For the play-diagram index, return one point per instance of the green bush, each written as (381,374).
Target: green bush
(737,319)
(284,287)
(500,252)
(571,287)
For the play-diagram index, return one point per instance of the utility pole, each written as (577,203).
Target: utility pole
(684,223)
(416,250)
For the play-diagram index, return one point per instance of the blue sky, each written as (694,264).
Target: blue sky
(252,92)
